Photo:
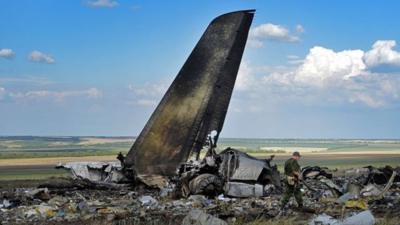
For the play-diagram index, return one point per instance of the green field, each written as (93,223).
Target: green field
(331,145)
(39,147)
(21,174)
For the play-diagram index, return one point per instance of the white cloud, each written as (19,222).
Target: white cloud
(254,43)
(325,65)
(269,31)
(7,53)
(245,77)
(93,93)
(26,80)
(382,53)
(294,60)
(326,76)
(103,3)
(146,102)
(366,99)
(292,57)
(2,92)
(149,90)
(59,96)
(37,56)
(300,28)
(147,95)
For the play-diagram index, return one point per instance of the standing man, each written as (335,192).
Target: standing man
(292,181)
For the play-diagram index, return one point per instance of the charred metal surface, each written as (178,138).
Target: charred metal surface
(196,102)
(241,167)
(241,175)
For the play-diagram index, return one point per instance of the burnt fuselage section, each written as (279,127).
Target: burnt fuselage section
(231,172)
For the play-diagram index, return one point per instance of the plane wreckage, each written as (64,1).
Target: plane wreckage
(188,119)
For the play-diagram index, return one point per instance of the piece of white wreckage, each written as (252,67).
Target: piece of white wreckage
(96,172)
(362,218)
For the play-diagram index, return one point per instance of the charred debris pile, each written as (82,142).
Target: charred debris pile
(364,194)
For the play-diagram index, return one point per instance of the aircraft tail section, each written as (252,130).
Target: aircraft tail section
(196,102)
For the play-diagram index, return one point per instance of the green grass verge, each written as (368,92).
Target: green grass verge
(32,175)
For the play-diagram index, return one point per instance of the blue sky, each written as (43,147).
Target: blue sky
(311,69)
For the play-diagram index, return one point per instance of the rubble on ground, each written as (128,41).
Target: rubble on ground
(95,171)
(362,218)
(198,217)
(351,196)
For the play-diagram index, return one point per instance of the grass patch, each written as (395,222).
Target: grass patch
(32,175)
(388,220)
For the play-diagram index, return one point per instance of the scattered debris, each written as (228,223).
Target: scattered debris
(198,217)
(231,172)
(6,204)
(382,175)
(235,189)
(370,190)
(96,171)
(363,218)
(316,171)
(344,198)
(80,201)
(147,200)
(39,193)
(357,203)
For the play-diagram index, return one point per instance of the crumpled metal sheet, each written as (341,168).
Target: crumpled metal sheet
(199,217)
(95,171)
(370,190)
(316,171)
(243,190)
(362,218)
(154,180)
(329,183)
(248,169)
(196,102)
(239,166)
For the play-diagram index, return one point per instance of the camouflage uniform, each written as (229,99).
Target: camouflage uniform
(291,188)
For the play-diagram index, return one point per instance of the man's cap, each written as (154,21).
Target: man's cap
(296,153)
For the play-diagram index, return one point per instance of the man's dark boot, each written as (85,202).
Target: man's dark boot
(300,207)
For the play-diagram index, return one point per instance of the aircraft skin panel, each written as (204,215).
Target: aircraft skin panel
(218,105)
(196,101)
